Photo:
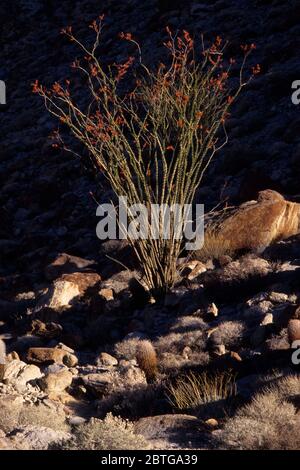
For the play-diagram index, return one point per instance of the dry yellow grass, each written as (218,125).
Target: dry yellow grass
(194,390)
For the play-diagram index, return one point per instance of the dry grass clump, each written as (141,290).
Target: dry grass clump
(192,391)
(42,415)
(112,433)
(15,414)
(176,342)
(126,349)
(231,333)
(215,246)
(170,362)
(268,422)
(188,324)
(185,348)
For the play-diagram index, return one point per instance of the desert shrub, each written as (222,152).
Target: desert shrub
(112,433)
(231,333)
(153,137)
(214,246)
(14,414)
(192,391)
(42,415)
(268,422)
(170,362)
(126,349)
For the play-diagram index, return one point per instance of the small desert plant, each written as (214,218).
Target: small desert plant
(214,245)
(194,390)
(112,433)
(154,138)
(147,359)
(268,422)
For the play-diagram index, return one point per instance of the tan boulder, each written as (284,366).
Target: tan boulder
(55,382)
(257,224)
(50,356)
(68,289)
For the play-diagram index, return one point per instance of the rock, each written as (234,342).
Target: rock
(48,330)
(219,350)
(98,384)
(105,359)
(12,356)
(177,430)
(67,264)
(51,355)
(193,268)
(106,294)
(257,225)
(56,382)
(235,356)
(212,423)
(20,372)
(293,330)
(66,289)
(2,352)
(76,420)
(212,310)
(268,319)
(37,437)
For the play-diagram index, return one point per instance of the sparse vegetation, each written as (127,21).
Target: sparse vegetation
(193,390)
(269,422)
(112,433)
(147,360)
(155,137)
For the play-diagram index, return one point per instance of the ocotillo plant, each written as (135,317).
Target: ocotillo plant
(154,138)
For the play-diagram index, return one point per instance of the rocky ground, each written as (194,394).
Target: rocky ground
(72,319)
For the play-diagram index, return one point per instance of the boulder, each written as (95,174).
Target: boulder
(173,430)
(50,356)
(68,288)
(105,359)
(19,372)
(36,438)
(257,224)
(56,382)
(67,264)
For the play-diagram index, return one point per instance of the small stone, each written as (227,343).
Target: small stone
(105,359)
(219,350)
(234,355)
(212,423)
(213,310)
(107,294)
(67,264)
(268,319)
(76,420)
(196,268)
